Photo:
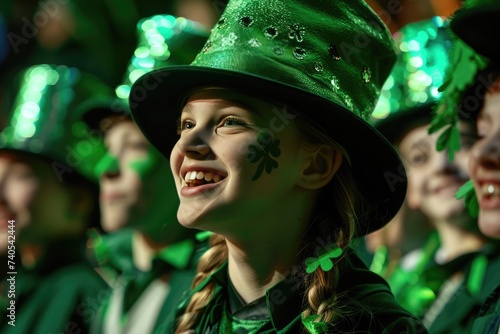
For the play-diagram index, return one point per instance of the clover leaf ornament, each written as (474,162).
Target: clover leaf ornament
(323,260)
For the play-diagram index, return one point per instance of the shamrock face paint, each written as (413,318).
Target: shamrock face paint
(223,136)
(264,153)
(136,184)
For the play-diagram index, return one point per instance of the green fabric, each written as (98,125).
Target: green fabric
(459,313)
(360,292)
(350,76)
(410,288)
(488,320)
(59,295)
(178,260)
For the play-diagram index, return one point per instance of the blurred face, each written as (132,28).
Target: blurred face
(485,165)
(31,194)
(236,162)
(137,188)
(432,178)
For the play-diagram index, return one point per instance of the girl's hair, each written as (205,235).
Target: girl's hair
(339,207)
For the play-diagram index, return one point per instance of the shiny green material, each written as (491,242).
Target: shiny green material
(294,37)
(45,118)
(476,277)
(466,191)
(163,40)
(323,260)
(314,327)
(410,286)
(107,164)
(326,59)
(419,69)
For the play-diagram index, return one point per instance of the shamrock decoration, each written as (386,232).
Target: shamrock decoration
(464,65)
(264,153)
(324,260)
(467,192)
(314,327)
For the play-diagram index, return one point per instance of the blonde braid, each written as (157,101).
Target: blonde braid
(210,261)
(320,286)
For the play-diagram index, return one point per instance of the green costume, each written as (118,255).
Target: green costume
(406,103)
(142,301)
(464,285)
(366,297)
(476,50)
(55,294)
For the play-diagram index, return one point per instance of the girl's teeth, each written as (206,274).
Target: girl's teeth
(191,176)
(491,190)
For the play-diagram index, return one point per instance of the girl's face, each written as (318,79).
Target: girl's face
(432,178)
(485,165)
(137,188)
(237,160)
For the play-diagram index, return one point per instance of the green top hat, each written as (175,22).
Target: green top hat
(45,119)
(327,59)
(477,24)
(163,40)
(411,90)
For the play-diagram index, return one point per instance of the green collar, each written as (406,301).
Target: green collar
(283,300)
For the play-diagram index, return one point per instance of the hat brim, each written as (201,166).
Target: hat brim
(156,102)
(96,111)
(478,26)
(397,124)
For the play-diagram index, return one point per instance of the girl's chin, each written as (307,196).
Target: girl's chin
(489,223)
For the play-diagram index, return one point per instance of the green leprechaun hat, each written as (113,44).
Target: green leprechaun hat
(412,89)
(163,40)
(327,59)
(477,24)
(45,119)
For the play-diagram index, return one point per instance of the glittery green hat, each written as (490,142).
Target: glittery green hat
(477,24)
(45,119)
(163,40)
(327,59)
(411,90)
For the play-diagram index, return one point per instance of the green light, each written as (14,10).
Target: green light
(142,52)
(32,96)
(30,110)
(123,91)
(26,130)
(148,24)
(136,74)
(52,77)
(158,50)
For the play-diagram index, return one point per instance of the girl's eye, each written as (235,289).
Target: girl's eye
(231,121)
(418,158)
(184,125)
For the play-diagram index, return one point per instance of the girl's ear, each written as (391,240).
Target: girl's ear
(321,164)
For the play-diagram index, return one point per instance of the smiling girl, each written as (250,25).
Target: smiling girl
(275,157)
